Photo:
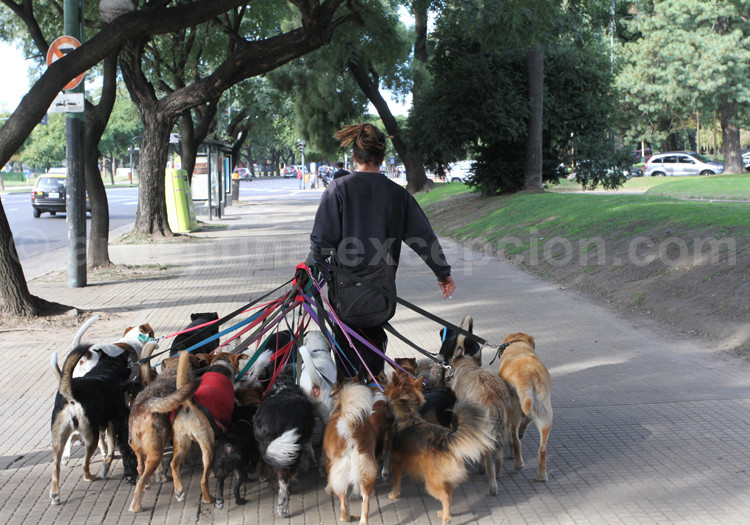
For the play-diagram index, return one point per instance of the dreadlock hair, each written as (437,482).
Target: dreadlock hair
(366,140)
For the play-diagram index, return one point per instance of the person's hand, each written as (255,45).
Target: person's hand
(447,287)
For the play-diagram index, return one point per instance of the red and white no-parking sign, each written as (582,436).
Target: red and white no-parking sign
(58,49)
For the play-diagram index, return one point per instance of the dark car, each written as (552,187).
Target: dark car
(48,195)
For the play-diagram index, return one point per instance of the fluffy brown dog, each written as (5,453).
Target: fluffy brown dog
(150,428)
(430,452)
(530,385)
(473,383)
(210,406)
(349,444)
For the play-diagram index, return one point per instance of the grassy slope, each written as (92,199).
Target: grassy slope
(683,261)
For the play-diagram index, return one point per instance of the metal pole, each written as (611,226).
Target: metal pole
(75,187)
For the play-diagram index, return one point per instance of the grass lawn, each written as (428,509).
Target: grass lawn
(577,215)
(715,187)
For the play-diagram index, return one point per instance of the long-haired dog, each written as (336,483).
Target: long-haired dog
(349,444)
(203,416)
(531,386)
(283,427)
(150,426)
(89,405)
(473,383)
(432,452)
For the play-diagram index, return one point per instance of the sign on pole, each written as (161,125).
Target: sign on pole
(67,103)
(58,49)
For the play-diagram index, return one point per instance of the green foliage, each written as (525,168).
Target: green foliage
(692,57)
(477,105)
(45,147)
(123,126)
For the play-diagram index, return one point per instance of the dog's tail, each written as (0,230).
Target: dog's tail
(474,433)
(66,376)
(170,403)
(82,330)
(145,366)
(284,450)
(183,369)
(258,367)
(535,402)
(356,406)
(55,366)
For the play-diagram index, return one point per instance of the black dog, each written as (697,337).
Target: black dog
(236,453)
(90,405)
(438,405)
(283,426)
(188,339)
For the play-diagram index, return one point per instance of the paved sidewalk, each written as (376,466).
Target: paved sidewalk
(649,427)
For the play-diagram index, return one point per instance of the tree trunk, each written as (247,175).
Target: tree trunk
(189,143)
(535,73)
(151,218)
(419,11)
(416,179)
(96,122)
(730,135)
(17,299)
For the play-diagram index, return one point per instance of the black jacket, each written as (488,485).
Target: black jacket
(362,220)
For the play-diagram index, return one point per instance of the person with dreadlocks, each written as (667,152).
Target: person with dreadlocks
(360,224)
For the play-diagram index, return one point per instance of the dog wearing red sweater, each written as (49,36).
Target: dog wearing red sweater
(206,413)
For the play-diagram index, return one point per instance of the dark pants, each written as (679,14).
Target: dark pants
(350,364)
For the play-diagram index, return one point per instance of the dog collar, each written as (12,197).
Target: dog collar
(143,338)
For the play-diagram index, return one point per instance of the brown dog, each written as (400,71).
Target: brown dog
(215,395)
(150,428)
(531,386)
(431,452)
(473,383)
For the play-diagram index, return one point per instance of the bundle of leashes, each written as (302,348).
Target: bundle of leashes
(305,296)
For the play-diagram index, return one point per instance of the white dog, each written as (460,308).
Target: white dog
(317,378)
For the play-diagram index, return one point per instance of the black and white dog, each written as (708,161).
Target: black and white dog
(283,427)
(89,405)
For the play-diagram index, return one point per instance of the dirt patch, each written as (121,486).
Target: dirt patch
(696,282)
(54,327)
(114,273)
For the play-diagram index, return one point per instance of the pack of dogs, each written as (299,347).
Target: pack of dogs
(430,422)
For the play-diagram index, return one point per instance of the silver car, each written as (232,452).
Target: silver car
(673,163)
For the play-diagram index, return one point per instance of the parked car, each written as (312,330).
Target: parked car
(244,174)
(291,171)
(460,171)
(48,193)
(746,158)
(674,163)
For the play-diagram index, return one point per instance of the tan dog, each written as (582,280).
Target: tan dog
(191,423)
(149,425)
(531,386)
(473,383)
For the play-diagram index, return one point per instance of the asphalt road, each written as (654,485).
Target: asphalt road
(34,237)
(37,236)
